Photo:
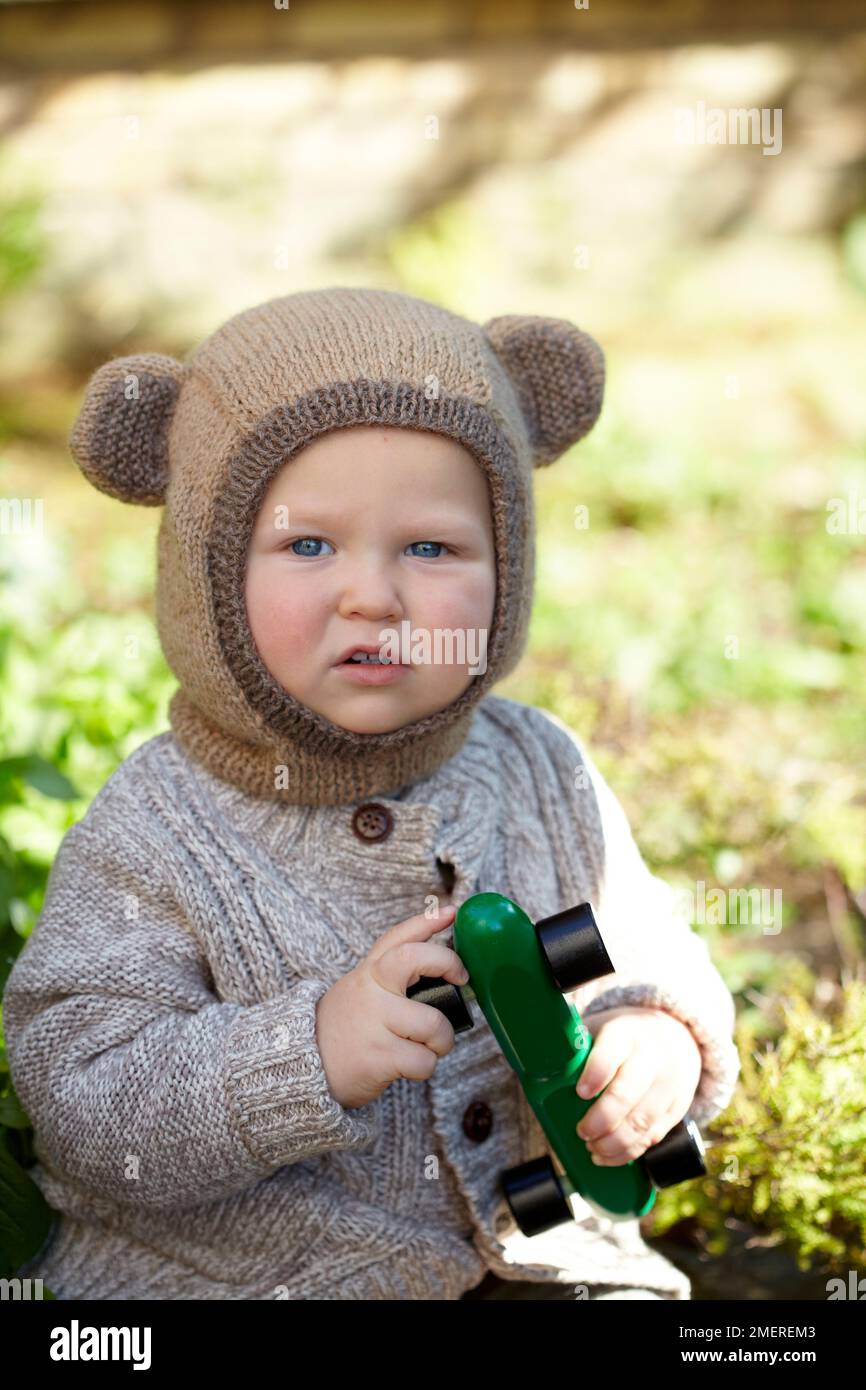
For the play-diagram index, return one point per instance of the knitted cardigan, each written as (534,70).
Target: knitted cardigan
(160,1027)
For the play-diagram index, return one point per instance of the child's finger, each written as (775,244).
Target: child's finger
(405,963)
(417,928)
(610,1048)
(420,1023)
(645,1125)
(634,1078)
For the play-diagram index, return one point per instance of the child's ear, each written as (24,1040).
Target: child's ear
(120,438)
(558,373)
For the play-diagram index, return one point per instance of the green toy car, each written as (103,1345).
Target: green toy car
(518,974)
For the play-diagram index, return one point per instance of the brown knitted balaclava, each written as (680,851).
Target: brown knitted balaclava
(205,437)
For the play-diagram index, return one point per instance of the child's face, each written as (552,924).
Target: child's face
(367,528)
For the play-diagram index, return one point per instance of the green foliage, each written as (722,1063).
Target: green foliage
(23,244)
(787,1154)
(25,1217)
(659,589)
(854,249)
(79,690)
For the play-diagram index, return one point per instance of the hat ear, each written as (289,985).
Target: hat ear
(120,438)
(558,372)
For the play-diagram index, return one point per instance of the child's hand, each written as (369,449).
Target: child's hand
(368,1032)
(650,1064)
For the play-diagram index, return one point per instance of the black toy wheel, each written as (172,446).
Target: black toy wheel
(445,997)
(677,1157)
(535,1196)
(571,944)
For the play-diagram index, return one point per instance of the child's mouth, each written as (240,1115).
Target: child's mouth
(370,669)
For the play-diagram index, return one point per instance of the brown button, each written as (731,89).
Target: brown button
(477,1121)
(372,821)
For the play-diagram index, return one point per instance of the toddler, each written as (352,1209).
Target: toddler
(231,1094)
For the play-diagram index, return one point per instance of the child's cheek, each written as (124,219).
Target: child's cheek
(463,603)
(285,623)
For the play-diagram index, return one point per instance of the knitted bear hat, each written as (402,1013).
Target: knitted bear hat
(204,438)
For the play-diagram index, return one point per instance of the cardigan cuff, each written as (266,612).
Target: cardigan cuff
(721,1061)
(277,1086)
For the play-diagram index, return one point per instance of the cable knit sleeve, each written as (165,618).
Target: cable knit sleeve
(659,960)
(142,1086)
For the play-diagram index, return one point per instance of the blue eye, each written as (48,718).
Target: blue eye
(316,540)
(440,544)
